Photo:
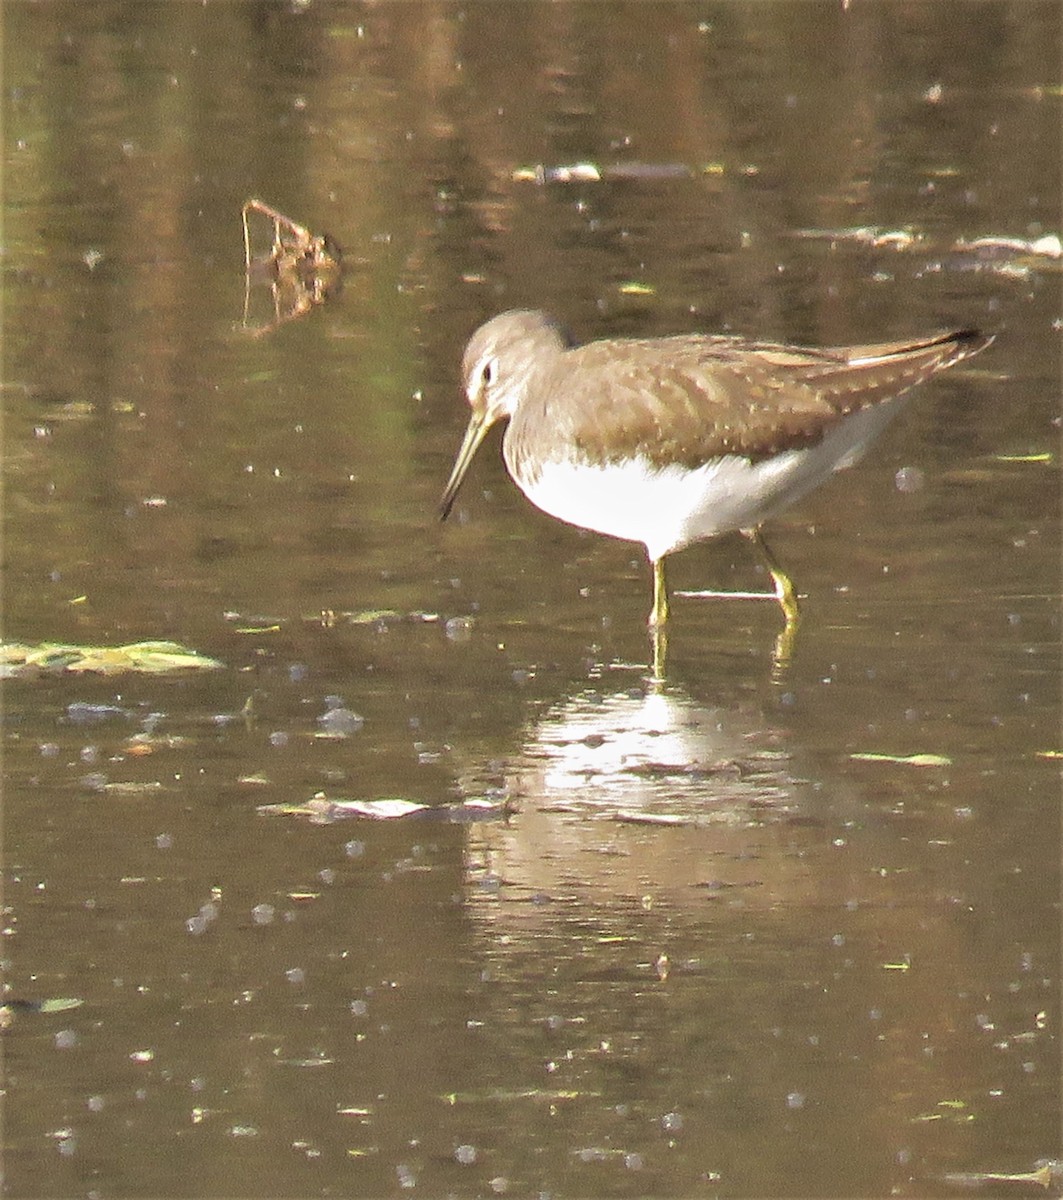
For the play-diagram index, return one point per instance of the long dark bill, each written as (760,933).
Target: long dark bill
(474,435)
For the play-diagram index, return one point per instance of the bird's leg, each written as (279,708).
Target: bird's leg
(659,612)
(659,639)
(659,619)
(784,588)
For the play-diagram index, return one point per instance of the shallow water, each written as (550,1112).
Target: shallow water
(726,936)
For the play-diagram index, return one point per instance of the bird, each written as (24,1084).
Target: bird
(672,440)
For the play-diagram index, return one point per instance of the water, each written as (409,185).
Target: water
(726,937)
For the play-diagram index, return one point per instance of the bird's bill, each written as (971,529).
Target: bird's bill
(474,435)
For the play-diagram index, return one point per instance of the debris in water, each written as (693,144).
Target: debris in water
(301,269)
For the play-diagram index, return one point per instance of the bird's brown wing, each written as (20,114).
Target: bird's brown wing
(689,399)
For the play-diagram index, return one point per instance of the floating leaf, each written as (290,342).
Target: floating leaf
(906,760)
(570,173)
(60,1004)
(866,235)
(1050,754)
(628,817)
(1043,457)
(1048,245)
(504,1095)
(151,658)
(633,288)
(55,1004)
(321,810)
(974,1179)
(132,788)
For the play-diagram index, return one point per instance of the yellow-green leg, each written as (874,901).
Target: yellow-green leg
(785,592)
(786,595)
(659,612)
(659,619)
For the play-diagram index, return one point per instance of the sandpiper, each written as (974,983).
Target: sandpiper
(670,440)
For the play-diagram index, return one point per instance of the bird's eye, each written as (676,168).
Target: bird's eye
(487,375)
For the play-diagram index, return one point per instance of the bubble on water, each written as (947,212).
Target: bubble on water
(95,1103)
(406,1177)
(354,849)
(278,738)
(49,750)
(196,925)
(208,911)
(327,875)
(359,1008)
(295,975)
(262,914)
(633,1162)
(297,672)
(909,479)
(67,1146)
(164,841)
(340,721)
(89,754)
(671,1122)
(465,1154)
(459,629)
(66,1039)
(795,1100)
(554,1021)
(499,1184)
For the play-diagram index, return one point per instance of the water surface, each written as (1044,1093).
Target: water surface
(685,940)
